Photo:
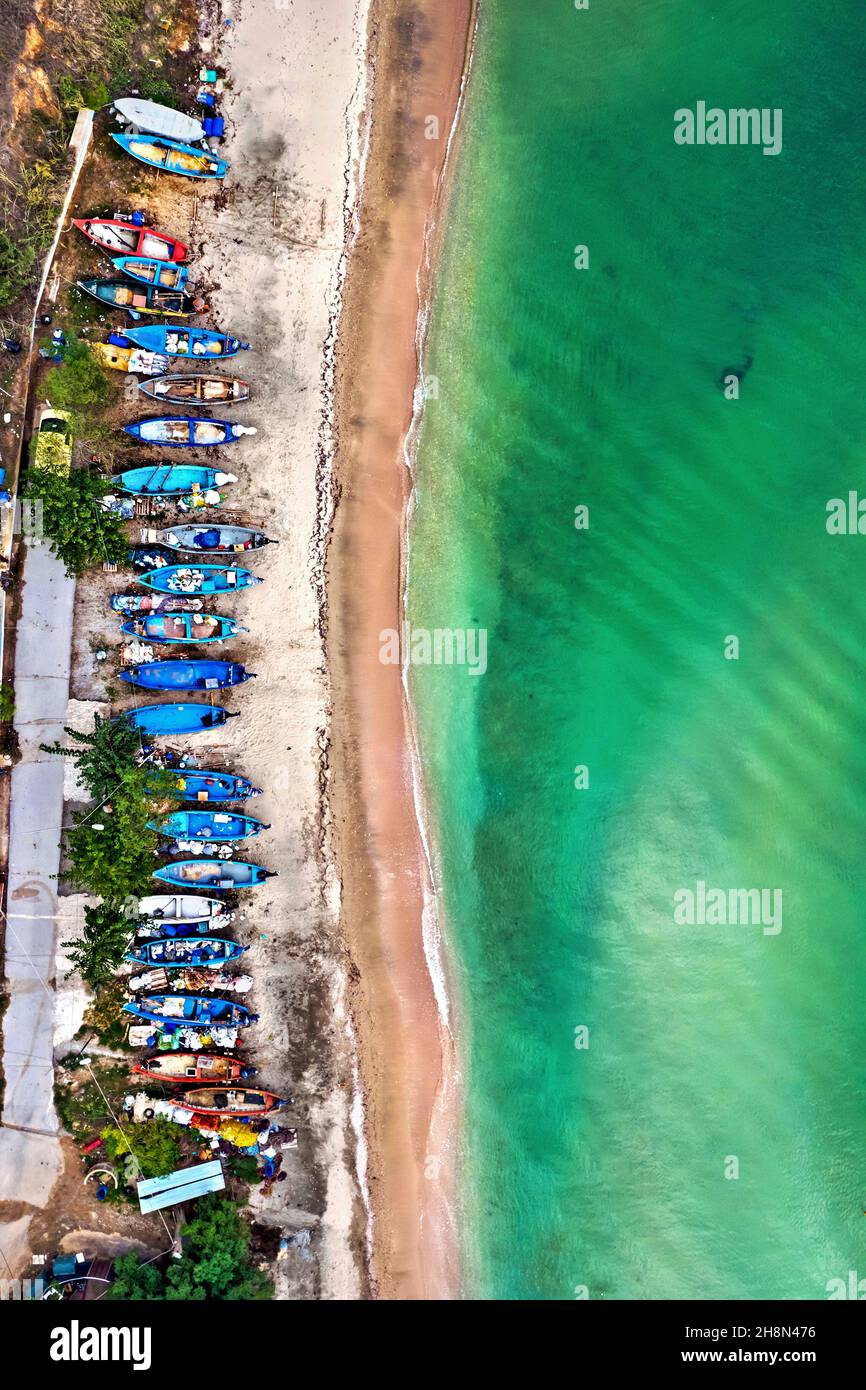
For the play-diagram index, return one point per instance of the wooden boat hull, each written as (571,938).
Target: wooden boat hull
(172,157)
(198,579)
(139,299)
(194,629)
(178,388)
(186,675)
(176,340)
(161,720)
(208,825)
(150,271)
(181,907)
(219,874)
(113,234)
(182,1068)
(186,432)
(170,479)
(184,953)
(229,1100)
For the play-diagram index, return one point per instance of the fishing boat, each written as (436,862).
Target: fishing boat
(127,238)
(208,825)
(198,579)
(182,341)
(186,431)
(190,1008)
(156,603)
(158,119)
(176,719)
(172,156)
(183,1067)
(194,628)
(186,675)
(176,953)
(182,907)
(213,873)
(139,299)
(129,359)
(202,785)
(215,540)
(225,1100)
(151,271)
(179,388)
(171,479)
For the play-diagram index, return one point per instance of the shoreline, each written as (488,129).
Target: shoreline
(419,59)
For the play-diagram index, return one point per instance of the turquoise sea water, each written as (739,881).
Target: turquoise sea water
(605,1167)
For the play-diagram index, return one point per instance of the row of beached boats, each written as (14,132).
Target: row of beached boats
(181,940)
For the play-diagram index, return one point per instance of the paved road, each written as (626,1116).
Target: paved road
(42,661)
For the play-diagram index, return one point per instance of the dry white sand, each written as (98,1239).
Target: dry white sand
(274,246)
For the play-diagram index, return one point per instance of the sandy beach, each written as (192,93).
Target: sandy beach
(269,248)
(419,55)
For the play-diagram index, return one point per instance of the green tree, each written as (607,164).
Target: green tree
(216,1248)
(79,381)
(110,847)
(16,262)
(215,1262)
(100,949)
(154,1145)
(135,1280)
(7,703)
(81,532)
(101,757)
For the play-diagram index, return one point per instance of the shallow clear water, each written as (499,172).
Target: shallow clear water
(558,387)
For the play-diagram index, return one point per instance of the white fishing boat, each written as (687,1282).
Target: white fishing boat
(159,120)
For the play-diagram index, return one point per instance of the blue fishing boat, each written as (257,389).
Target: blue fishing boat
(184,1009)
(176,719)
(219,874)
(187,432)
(198,579)
(176,340)
(208,825)
(186,675)
(176,953)
(197,628)
(151,271)
(171,156)
(211,786)
(170,479)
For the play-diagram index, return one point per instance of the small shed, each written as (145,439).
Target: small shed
(180,1186)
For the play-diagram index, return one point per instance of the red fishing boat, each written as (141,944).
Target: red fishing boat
(125,238)
(183,1067)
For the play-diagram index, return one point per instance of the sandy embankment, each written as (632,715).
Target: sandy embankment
(420,50)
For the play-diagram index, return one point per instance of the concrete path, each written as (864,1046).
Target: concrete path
(42,662)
